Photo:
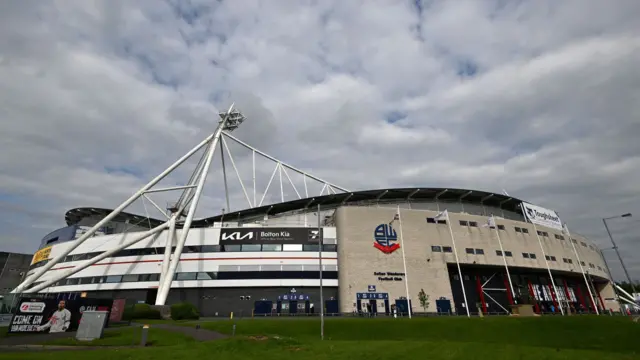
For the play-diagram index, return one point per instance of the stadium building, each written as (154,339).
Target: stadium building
(468,251)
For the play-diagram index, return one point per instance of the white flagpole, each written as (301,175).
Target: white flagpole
(504,258)
(455,252)
(320,242)
(404,263)
(553,283)
(575,251)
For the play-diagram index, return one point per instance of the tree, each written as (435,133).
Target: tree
(424,299)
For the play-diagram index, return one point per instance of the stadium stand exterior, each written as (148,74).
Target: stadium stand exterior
(268,256)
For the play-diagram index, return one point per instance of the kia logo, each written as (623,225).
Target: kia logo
(237,235)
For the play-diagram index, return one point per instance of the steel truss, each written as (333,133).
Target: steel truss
(182,212)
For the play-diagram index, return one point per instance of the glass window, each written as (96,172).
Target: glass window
(553,258)
(98,279)
(330,247)
(431,220)
(479,252)
(186,276)
(251,247)
(464,223)
(231,248)
(518,229)
(583,244)
(436,248)
(525,255)
(582,263)
(442,222)
(473,223)
(525,231)
(500,227)
(210,248)
(206,276)
(547,257)
(271,247)
(292,247)
(508,253)
(192,249)
(74,281)
(532,256)
(311,247)
(469,251)
(447,249)
(113,279)
(498,252)
(149,277)
(130,278)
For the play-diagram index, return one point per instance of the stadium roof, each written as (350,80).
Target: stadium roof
(505,202)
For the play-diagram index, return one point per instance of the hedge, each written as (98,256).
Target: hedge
(184,311)
(140,311)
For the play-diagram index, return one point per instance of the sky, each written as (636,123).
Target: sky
(540,98)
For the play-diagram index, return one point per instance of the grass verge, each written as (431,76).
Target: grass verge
(583,338)
(127,337)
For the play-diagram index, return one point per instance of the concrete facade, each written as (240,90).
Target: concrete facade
(359,260)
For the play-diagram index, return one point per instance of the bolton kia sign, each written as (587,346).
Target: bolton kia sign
(270,235)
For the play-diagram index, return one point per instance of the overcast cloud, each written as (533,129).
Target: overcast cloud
(539,97)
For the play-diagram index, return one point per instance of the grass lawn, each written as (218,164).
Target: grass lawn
(577,337)
(127,337)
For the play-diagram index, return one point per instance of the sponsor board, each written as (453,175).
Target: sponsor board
(541,216)
(270,235)
(41,255)
(33,313)
(32,307)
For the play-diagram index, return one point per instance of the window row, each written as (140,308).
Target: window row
(516,228)
(474,251)
(220,275)
(438,248)
(204,249)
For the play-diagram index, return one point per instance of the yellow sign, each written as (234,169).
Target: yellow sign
(41,255)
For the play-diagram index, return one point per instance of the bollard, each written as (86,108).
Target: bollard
(233,331)
(231,315)
(197,326)
(144,335)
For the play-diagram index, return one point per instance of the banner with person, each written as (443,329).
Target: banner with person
(33,315)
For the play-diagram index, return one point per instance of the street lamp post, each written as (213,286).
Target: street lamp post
(615,247)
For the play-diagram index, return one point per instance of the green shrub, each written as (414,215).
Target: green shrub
(184,311)
(140,311)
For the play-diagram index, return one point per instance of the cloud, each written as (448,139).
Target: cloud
(537,97)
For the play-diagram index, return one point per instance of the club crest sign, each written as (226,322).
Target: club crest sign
(385,239)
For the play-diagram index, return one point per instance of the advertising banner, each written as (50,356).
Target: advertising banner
(33,313)
(117,310)
(41,255)
(270,235)
(541,216)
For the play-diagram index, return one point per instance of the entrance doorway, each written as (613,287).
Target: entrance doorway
(368,302)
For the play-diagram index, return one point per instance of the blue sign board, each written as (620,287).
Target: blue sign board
(372,296)
(372,288)
(293,297)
